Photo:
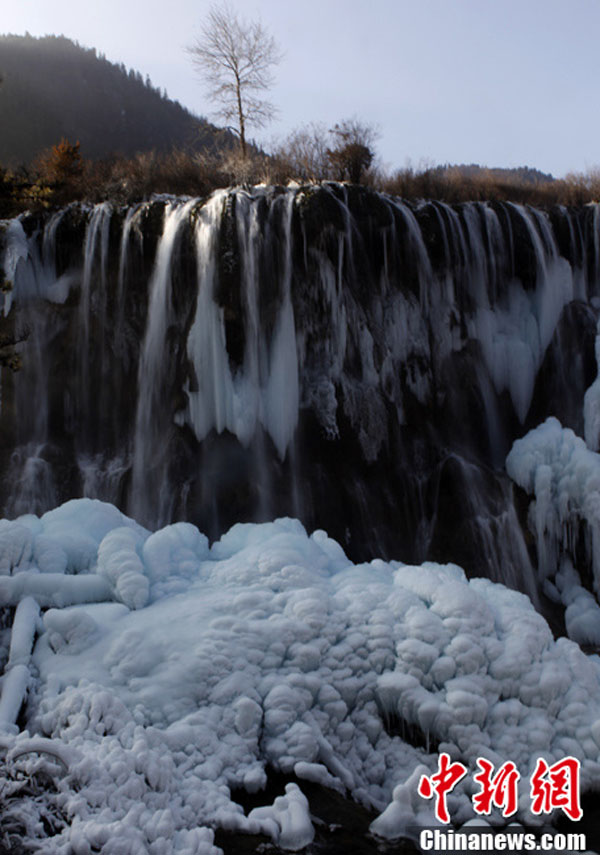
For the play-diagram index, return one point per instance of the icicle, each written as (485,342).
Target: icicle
(282,394)
(212,403)
(16,679)
(265,388)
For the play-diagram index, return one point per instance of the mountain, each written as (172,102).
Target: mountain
(53,87)
(519,174)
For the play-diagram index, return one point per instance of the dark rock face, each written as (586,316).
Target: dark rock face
(326,353)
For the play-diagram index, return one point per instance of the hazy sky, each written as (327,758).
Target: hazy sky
(497,82)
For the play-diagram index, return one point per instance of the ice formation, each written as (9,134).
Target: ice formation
(557,468)
(591,408)
(203,666)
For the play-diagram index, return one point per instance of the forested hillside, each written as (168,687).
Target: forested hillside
(54,88)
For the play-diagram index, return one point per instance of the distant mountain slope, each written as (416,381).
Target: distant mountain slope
(53,88)
(520,174)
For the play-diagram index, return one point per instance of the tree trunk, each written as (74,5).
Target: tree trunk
(241,119)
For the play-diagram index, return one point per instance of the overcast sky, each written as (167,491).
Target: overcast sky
(495,82)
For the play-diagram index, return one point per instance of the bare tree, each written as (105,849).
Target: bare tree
(305,153)
(236,58)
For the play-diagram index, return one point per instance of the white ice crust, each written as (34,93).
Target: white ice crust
(555,466)
(205,666)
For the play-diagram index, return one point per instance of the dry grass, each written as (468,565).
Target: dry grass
(454,186)
(125,180)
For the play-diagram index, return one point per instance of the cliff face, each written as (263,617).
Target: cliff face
(325,353)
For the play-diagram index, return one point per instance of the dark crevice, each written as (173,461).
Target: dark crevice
(409,732)
(341,825)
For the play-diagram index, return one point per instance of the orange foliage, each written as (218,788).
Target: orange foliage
(62,167)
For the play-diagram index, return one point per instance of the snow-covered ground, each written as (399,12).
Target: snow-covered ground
(167,673)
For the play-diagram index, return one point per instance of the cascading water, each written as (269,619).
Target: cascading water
(150,498)
(92,310)
(327,353)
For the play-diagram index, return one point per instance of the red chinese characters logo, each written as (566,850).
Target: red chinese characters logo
(556,786)
(552,787)
(440,784)
(500,790)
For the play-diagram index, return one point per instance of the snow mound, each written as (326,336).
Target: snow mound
(287,821)
(270,649)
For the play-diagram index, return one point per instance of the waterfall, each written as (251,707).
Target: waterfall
(151,502)
(325,352)
(91,358)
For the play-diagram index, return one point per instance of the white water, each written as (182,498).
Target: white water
(150,494)
(92,308)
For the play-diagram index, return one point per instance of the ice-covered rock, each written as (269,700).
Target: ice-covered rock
(562,475)
(287,820)
(272,650)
